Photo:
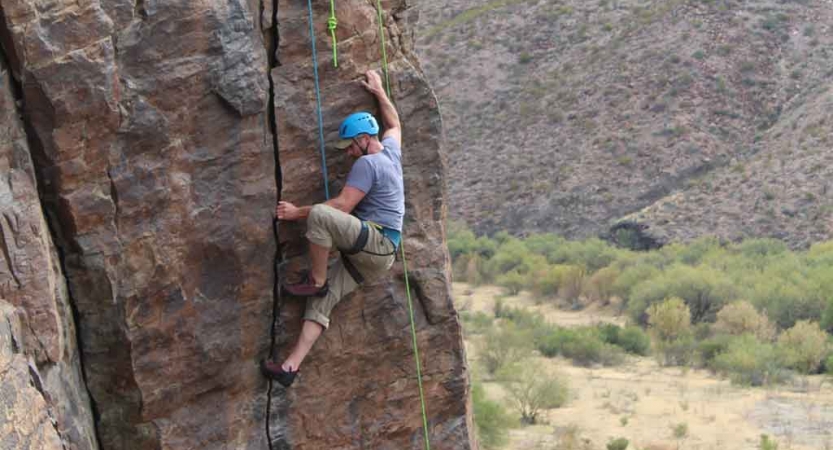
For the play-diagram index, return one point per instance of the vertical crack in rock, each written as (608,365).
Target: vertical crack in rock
(272,58)
(11,60)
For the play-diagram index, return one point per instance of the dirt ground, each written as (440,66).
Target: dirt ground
(644,402)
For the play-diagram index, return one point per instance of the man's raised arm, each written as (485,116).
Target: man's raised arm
(390,118)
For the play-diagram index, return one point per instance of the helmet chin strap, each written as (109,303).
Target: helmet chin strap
(363,149)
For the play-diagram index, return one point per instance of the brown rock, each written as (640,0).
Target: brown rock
(26,424)
(358,387)
(32,280)
(152,145)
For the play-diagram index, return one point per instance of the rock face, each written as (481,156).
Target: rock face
(27,423)
(31,280)
(150,138)
(364,361)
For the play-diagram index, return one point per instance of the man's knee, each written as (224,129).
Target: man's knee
(318,213)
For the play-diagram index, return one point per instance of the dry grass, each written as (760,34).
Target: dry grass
(656,400)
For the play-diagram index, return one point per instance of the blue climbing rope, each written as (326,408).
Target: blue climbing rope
(318,104)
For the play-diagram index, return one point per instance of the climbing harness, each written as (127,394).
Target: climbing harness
(318,103)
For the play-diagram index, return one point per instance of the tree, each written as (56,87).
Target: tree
(504,347)
(491,420)
(803,347)
(741,318)
(531,390)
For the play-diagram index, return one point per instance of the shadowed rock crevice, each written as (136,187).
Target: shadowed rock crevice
(276,402)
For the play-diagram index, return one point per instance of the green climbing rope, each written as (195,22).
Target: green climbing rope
(402,246)
(384,50)
(332,23)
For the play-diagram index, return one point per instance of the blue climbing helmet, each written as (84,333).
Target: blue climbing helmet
(354,125)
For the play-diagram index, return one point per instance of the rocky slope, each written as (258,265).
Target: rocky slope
(144,132)
(569,116)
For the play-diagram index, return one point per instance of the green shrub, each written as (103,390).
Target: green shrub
(634,340)
(599,287)
(670,325)
(631,339)
(618,444)
(504,347)
(748,361)
(803,347)
(828,365)
(552,344)
(531,390)
(572,284)
(491,420)
(742,318)
(583,346)
(476,323)
(703,289)
(593,254)
(547,282)
(708,349)
(513,282)
(669,320)
(632,276)
(767,443)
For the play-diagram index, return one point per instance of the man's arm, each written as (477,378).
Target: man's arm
(390,118)
(346,201)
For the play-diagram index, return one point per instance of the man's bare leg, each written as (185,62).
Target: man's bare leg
(310,332)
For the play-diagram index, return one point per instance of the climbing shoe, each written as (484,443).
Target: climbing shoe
(306,288)
(276,372)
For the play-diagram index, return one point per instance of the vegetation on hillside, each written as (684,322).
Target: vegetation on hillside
(755,312)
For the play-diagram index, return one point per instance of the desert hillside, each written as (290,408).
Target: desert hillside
(692,117)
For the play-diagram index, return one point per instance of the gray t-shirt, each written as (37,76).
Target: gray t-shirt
(379,176)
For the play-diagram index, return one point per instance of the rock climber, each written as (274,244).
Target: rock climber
(363,222)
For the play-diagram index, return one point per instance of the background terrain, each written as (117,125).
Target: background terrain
(689,117)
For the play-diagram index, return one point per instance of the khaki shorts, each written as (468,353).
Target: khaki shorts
(333,228)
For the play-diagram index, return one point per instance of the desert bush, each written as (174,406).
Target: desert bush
(803,347)
(708,349)
(618,444)
(670,324)
(504,346)
(741,318)
(531,390)
(513,281)
(670,319)
(583,346)
(491,420)
(788,296)
(531,324)
(634,340)
(599,287)
(476,322)
(767,443)
(631,276)
(703,289)
(551,281)
(572,284)
(513,255)
(750,362)
(698,251)
(593,254)
(630,339)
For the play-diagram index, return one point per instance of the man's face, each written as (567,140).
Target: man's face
(355,149)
